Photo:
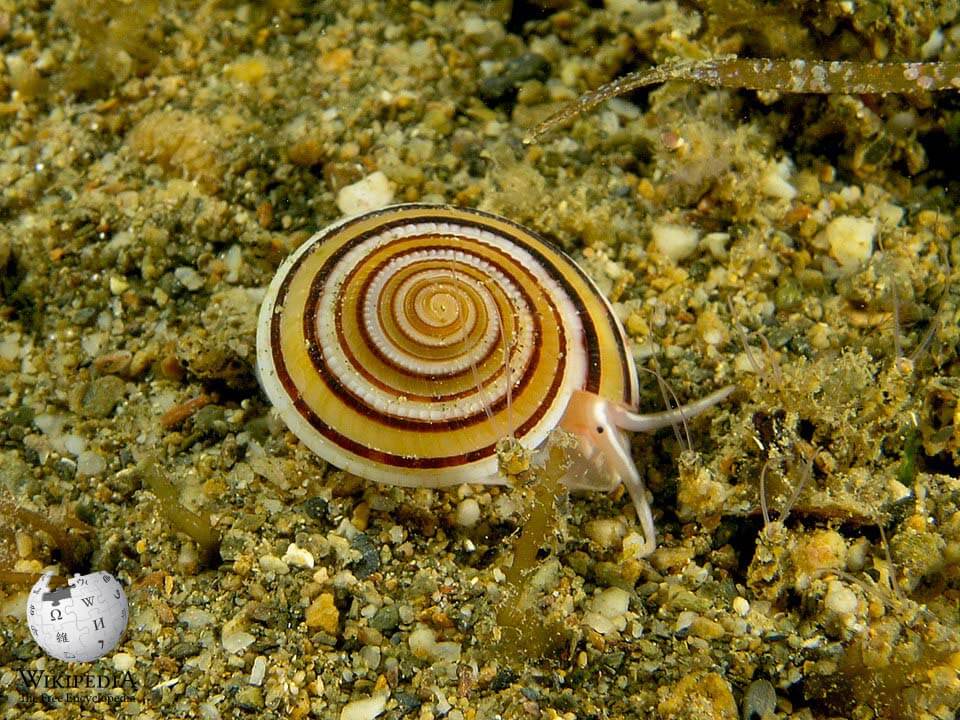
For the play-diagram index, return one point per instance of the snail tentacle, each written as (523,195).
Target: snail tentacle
(626,419)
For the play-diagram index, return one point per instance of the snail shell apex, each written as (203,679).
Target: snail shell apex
(402,344)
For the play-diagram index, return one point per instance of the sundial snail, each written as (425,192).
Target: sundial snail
(402,344)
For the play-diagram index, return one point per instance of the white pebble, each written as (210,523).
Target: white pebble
(189,278)
(889,214)
(606,532)
(741,606)
(933,45)
(599,623)
(422,642)
(370,193)
(684,621)
(675,241)
(424,645)
(716,243)
(49,424)
(775,182)
(194,617)
(90,463)
(92,343)
(370,654)
(840,599)
(122,662)
(74,444)
(850,240)
(298,557)
(634,547)
(447,651)
(259,670)
(271,563)
(236,641)
(10,346)
(612,603)
(365,709)
(468,512)
(474,25)
(234,638)
(233,259)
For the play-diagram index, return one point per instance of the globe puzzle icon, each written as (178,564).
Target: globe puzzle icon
(81,622)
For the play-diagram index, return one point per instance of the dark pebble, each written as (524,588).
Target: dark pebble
(505,678)
(369,561)
(315,508)
(407,702)
(250,698)
(529,66)
(387,618)
(184,650)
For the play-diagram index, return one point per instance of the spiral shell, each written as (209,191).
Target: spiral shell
(403,344)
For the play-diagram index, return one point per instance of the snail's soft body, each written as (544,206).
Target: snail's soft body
(403,344)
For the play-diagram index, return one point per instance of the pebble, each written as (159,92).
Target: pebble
(73,444)
(759,701)
(102,396)
(259,670)
(700,695)
(775,182)
(370,193)
(90,463)
(612,603)
(840,600)
(298,557)
(370,654)
(850,240)
(323,614)
(369,561)
(468,512)
(273,564)
(122,662)
(386,618)
(684,621)
(677,242)
(741,606)
(606,532)
(234,638)
(597,622)
(195,618)
(189,278)
(707,629)
(364,709)
(423,644)
(113,363)
(529,66)
(250,698)
(185,649)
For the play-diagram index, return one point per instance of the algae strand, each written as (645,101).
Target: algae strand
(785,76)
(523,626)
(197,526)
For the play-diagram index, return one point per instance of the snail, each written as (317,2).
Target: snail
(403,344)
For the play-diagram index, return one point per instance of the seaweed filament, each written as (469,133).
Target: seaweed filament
(786,76)
(74,548)
(196,526)
(524,628)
